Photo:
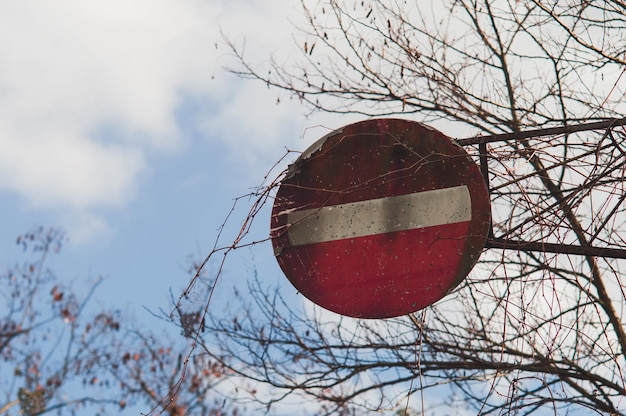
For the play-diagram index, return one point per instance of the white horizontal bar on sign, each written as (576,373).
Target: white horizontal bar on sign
(380,216)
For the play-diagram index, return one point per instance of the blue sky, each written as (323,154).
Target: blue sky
(119,124)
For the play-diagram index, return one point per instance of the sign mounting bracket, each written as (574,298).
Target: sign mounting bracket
(539,246)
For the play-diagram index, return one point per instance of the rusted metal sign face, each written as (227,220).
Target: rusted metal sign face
(380,218)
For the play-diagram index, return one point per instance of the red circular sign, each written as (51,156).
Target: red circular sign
(380,218)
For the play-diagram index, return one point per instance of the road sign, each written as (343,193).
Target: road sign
(380,218)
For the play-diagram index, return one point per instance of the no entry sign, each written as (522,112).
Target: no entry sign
(380,218)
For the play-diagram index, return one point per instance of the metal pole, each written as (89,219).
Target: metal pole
(555,248)
(507,244)
(600,125)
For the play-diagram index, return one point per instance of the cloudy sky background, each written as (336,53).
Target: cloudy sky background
(119,124)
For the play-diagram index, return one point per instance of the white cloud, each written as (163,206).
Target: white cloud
(58,167)
(72,72)
(89,89)
(83,227)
